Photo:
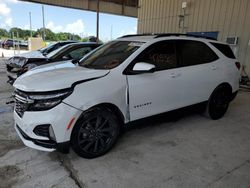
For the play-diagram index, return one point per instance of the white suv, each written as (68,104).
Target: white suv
(85,105)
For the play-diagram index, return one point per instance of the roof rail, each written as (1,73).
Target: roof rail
(137,35)
(182,34)
(158,35)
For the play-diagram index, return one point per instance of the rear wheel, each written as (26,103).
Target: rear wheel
(218,102)
(95,133)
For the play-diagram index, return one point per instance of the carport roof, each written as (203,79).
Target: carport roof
(118,7)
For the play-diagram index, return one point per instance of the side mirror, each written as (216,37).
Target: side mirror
(142,67)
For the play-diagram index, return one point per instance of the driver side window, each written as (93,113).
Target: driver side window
(161,54)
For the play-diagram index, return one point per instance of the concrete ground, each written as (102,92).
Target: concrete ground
(191,151)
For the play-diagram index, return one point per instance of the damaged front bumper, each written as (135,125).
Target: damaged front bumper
(12,77)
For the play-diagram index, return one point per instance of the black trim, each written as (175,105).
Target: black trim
(43,92)
(50,144)
(158,35)
(63,147)
(136,35)
(182,34)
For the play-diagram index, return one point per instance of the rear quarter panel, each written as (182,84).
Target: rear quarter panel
(229,72)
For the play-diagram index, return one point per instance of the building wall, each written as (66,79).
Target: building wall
(228,17)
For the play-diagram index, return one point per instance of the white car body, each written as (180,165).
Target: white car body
(136,96)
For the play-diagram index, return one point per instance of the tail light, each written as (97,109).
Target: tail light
(237,64)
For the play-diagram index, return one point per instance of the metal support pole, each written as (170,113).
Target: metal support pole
(30,25)
(43,23)
(111,32)
(18,43)
(13,43)
(97,21)
(183,21)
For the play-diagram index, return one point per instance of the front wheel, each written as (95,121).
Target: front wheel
(218,103)
(95,133)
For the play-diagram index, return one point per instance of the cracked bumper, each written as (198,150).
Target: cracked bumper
(58,118)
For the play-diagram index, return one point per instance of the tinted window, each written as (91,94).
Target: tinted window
(225,49)
(110,55)
(194,53)
(79,53)
(161,54)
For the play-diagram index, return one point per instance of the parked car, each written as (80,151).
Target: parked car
(18,65)
(54,46)
(15,43)
(133,77)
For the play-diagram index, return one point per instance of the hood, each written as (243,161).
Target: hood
(18,61)
(33,54)
(55,77)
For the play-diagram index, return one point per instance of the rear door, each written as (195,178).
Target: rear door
(159,91)
(200,69)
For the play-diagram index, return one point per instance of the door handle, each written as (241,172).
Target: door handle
(174,75)
(214,67)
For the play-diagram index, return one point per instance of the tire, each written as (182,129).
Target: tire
(218,103)
(95,133)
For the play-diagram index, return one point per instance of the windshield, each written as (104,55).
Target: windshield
(55,52)
(110,55)
(47,49)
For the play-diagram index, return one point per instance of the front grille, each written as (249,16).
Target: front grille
(21,107)
(42,130)
(22,102)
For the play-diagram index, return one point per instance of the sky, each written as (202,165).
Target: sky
(14,13)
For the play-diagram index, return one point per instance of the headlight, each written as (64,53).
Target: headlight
(48,100)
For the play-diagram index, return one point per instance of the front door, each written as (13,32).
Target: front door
(159,91)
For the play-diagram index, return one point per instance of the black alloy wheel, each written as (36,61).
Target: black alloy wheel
(95,133)
(218,102)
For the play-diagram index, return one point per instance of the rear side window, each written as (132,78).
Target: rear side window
(225,49)
(194,53)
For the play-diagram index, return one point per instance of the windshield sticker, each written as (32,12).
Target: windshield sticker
(136,43)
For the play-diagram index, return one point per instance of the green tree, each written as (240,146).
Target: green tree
(16,32)
(3,33)
(86,39)
(49,35)
(62,36)
(76,37)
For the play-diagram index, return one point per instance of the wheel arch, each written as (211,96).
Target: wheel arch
(226,85)
(109,106)
(113,108)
